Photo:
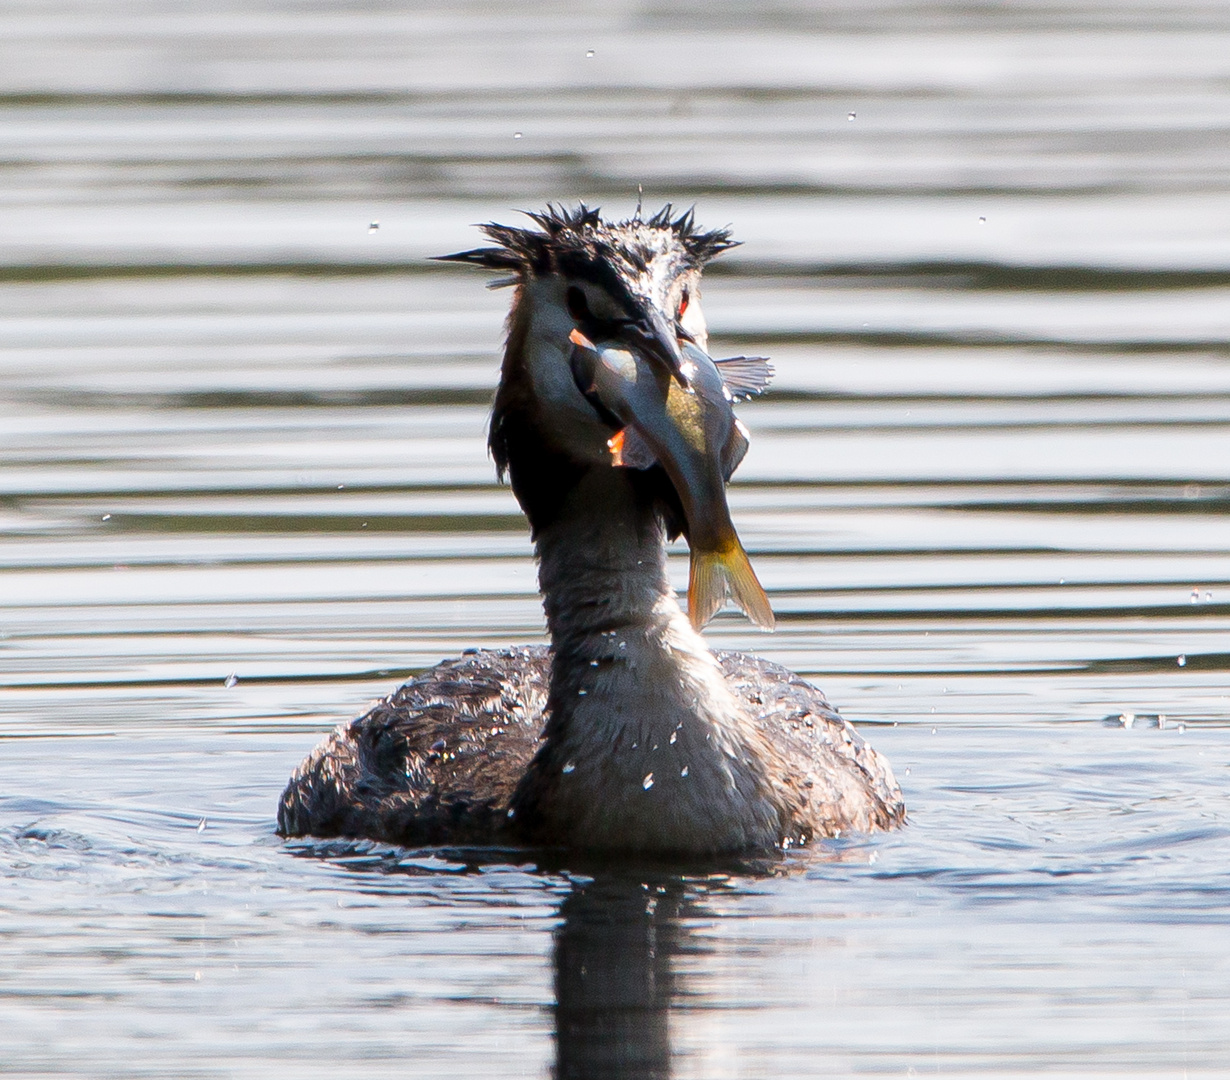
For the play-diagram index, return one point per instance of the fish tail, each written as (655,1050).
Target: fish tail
(723,571)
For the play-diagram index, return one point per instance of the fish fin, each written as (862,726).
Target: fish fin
(735,449)
(745,376)
(635,452)
(615,444)
(629,450)
(713,575)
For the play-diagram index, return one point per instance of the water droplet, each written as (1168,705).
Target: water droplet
(196,976)
(516,134)
(647,783)
(874,857)
(683,771)
(1127,719)
(1208,597)
(1182,660)
(231,680)
(569,768)
(1195,596)
(438,745)
(373,226)
(341,487)
(933,730)
(200,825)
(593,663)
(511,812)
(850,117)
(589,53)
(1181,728)
(982,220)
(106,517)
(582,693)
(907,772)
(623,644)
(933,708)
(674,737)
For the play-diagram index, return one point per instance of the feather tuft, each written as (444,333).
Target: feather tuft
(582,233)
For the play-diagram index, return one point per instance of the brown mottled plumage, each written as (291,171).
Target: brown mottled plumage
(628,734)
(438,760)
(434,762)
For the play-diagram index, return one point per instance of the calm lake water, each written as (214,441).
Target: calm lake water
(242,433)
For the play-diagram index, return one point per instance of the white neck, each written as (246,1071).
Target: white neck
(646,746)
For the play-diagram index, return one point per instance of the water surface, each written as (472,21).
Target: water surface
(243,434)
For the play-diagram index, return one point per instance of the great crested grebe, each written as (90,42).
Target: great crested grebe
(627,734)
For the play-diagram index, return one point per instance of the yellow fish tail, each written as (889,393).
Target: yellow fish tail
(726,571)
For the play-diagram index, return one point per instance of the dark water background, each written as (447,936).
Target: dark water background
(241,432)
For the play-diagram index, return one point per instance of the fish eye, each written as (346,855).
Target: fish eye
(683,303)
(578,306)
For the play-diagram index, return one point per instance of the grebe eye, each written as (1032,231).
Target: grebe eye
(578,306)
(683,303)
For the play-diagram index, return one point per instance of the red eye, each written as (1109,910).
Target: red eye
(683,303)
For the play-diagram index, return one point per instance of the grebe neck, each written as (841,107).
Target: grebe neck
(645,745)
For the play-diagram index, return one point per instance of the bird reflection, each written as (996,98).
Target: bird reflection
(614,954)
(614,980)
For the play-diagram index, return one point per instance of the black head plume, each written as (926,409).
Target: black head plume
(530,253)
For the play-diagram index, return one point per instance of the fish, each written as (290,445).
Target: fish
(688,426)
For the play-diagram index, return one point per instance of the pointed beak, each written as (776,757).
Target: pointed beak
(655,337)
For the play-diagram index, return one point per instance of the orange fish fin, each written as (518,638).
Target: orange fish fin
(616,445)
(713,575)
(629,450)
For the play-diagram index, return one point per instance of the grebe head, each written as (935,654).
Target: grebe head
(633,282)
(606,366)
